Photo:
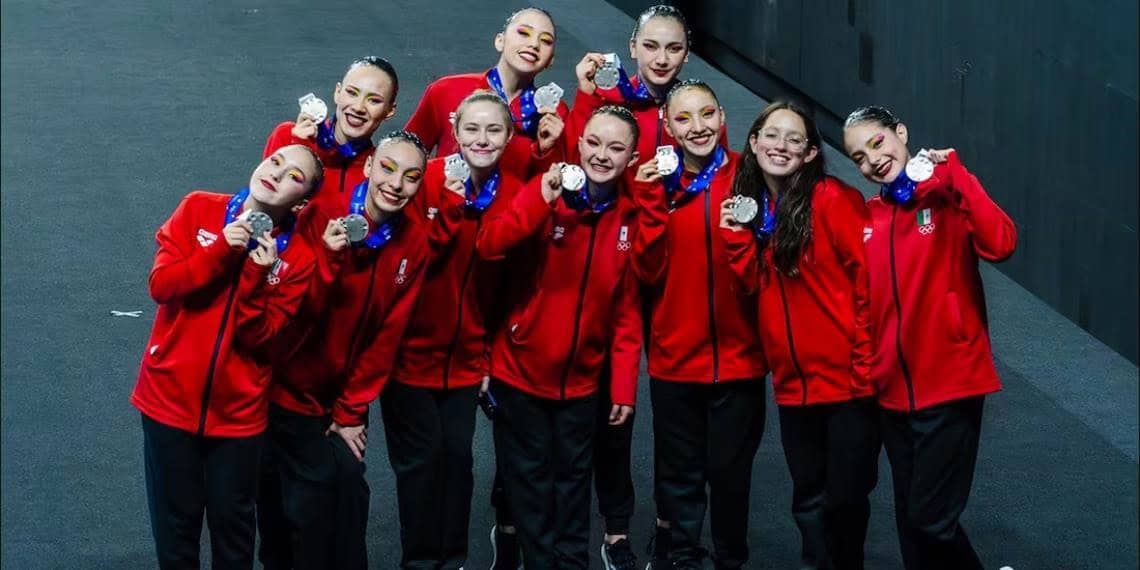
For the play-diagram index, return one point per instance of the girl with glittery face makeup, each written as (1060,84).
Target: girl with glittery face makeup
(930,225)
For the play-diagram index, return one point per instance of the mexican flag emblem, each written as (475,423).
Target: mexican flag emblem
(924,221)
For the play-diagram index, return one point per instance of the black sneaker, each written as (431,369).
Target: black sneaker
(504,550)
(659,546)
(618,556)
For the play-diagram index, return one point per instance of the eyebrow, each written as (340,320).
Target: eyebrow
(359,88)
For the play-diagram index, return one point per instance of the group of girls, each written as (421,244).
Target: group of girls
(383,274)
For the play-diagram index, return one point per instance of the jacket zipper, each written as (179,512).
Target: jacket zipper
(791,340)
(363,316)
(578,309)
(712,309)
(898,311)
(459,315)
(342,174)
(214,356)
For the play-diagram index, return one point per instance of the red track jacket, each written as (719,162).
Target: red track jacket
(704,326)
(446,344)
(573,297)
(206,366)
(340,356)
(815,328)
(928,309)
(432,122)
(341,174)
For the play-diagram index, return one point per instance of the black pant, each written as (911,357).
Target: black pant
(429,435)
(932,454)
(832,452)
(613,481)
(706,434)
(546,448)
(313,505)
(187,475)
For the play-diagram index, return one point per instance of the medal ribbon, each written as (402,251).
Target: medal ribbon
(901,190)
(486,194)
(326,139)
(702,180)
(767,226)
(233,208)
(528,123)
(631,93)
(580,200)
(381,235)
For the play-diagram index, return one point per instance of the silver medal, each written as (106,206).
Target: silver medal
(548,95)
(667,160)
(573,177)
(456,168)
(259,222)
(920,166)
(607,76)
(355,227)
(744,209)
(312,106)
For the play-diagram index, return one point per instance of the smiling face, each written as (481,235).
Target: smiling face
(395,171)
(781,145)
(660,48)
(694,119)
(607,147)
(527,43)
(879,151)
(482,129)
(365,98)
(284,178)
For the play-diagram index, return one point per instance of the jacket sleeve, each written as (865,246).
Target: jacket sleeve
(526,216)
(741,253)
(845,218)
(263,310)
(282,136)
(425,120)
(625,351)
(650,249)
(439,210)
(540,161)
(993,232)
(181,265)
(373,367)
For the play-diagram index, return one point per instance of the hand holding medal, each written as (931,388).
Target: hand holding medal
(743,209)
(546,100)
(265,252)
(552,184)
(586,69)
(313,112)
(335,236)
(608,74)
(456,173)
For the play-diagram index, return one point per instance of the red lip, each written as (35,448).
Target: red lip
(268,185)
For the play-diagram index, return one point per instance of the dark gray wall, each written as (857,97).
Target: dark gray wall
(1040,98)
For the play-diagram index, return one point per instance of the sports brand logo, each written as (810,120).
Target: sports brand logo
(623,239)
(205,238)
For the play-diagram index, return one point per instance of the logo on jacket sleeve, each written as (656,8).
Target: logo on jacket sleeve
(279,267)
(924,221)
(867,230)
(623,239)
(558,233)
(431,213)
(402,272)
(205,238)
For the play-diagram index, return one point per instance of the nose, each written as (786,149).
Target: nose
(660,58)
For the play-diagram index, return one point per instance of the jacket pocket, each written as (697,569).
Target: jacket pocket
(954,319)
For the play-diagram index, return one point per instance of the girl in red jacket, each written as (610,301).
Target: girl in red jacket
(429,407)
(705,361)
(567,250)
(526,49)
(223,294)
(364,99)
(803,252)
(337,359)
(933,364)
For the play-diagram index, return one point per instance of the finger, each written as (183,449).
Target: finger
(266,241)
(356,452)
